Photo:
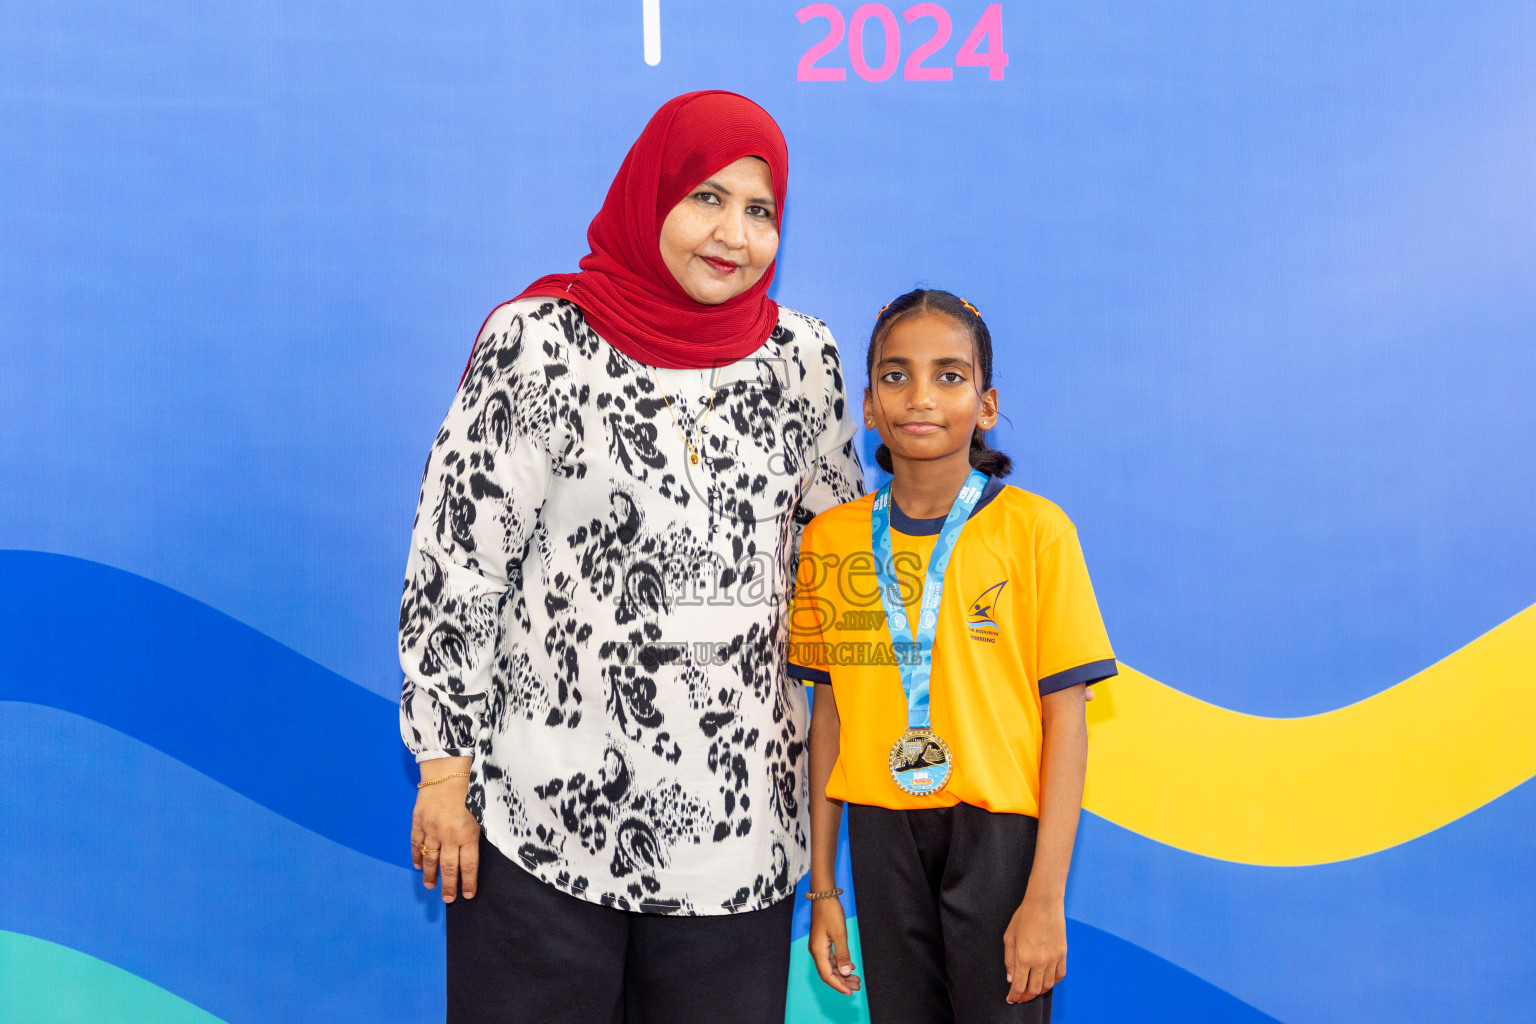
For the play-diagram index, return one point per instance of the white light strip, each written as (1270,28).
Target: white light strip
(652,13)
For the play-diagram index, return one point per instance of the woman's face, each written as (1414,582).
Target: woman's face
(722,237)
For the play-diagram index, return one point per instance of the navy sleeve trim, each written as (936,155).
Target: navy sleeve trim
(808,675)
(1089,673)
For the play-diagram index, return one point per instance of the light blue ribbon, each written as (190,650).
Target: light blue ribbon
(914,656)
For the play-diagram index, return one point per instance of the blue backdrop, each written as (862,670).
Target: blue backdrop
(1263,279)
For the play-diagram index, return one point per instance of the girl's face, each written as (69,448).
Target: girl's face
(722,237)
(924,396)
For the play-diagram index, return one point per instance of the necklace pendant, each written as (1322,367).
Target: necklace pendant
(693,457)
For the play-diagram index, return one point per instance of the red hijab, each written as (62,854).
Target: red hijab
(624,289)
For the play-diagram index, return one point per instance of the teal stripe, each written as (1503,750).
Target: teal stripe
(811,1000)
(42,982)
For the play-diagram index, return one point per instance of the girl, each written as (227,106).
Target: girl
(952,725)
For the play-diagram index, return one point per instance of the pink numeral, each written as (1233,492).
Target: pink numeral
(914,70)
(807,70)
(856,42)
(989,29)
(987,33)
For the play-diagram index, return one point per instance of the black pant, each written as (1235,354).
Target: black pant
(936,889)
(523,951)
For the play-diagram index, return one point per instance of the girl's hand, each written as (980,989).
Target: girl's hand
(445,837)
(829,946)
(1034,949)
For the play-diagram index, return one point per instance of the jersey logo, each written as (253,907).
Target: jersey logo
(981,619)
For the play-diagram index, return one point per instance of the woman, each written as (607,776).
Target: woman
(592,628)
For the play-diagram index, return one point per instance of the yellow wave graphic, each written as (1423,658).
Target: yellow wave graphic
(1293,791)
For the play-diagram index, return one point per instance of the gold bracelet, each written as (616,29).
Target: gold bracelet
(825,895)
(440,778)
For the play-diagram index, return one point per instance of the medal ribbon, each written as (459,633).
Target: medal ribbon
(914,656)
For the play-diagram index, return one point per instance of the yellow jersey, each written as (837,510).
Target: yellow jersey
(1018,620)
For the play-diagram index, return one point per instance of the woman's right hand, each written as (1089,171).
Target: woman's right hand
(445,837)
(829,945)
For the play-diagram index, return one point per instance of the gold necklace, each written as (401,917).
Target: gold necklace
(693,452)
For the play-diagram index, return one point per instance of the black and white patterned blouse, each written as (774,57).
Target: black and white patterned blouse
(601,622)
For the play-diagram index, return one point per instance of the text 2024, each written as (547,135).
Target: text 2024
(983,47)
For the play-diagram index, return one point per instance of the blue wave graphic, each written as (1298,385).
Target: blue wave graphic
(1112,980)
(211,692)
(254,919)
(136,859)
(1364,941)
(44,981)
(1368,936)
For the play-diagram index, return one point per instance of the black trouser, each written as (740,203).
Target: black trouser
(523,951)
(936,889)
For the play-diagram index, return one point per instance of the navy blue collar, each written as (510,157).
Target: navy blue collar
(905,524)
